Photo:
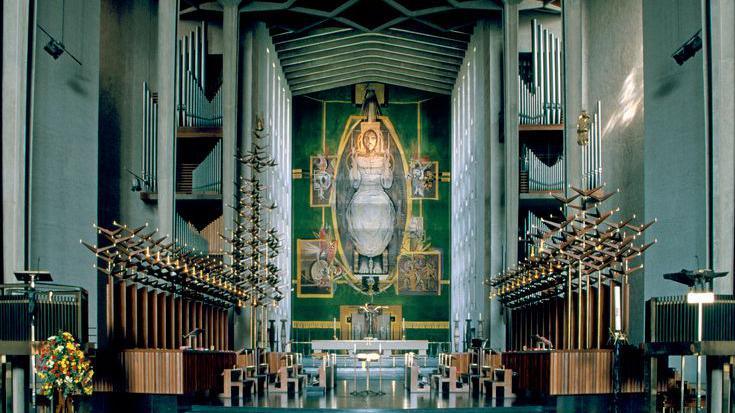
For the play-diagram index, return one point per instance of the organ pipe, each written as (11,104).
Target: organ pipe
(542,177)
(149,138)
(193,106)
(207,176)
(592,152)
(540,98)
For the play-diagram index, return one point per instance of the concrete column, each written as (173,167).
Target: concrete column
(246,95)
(574,81)
(15,82)
(510,125)
(494,211)
(230,60)
(167,124)
(20,387)
(254,79)
(723,149)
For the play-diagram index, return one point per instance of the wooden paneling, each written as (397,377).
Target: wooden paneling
(549,319)
(132,315)
(141,317)
(153,322)
(164,371)
(573,372)
(171,330)
(179,323)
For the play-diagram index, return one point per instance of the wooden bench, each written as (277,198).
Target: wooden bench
(448,373)
(324,374)
(411,375)
(290,371)
(236,379)
(498,378)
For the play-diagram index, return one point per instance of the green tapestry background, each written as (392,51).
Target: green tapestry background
(328,112)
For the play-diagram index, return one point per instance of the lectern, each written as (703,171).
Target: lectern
(30,277)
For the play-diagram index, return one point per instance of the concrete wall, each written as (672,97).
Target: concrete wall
(674,148)
(63,202)
(614,49)
(477,182)
(123,69)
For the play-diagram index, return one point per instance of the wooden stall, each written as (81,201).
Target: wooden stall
(162,371)
(573,372)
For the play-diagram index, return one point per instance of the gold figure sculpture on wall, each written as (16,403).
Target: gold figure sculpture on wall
(583,128)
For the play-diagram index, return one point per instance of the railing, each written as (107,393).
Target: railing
(542,177)
(149,138)
(540,98)
(207,176)
(58,308)
(592,152)
(193,107)
(187,235)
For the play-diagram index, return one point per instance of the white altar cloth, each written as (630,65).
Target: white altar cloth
(353,346)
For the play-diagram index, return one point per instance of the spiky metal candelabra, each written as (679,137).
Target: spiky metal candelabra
(138,256)
(589,246)
(254,243)
(586,245)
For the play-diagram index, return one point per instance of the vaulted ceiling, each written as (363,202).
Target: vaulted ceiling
(324,44)
(413,43)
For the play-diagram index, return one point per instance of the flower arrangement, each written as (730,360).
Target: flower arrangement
(63,367)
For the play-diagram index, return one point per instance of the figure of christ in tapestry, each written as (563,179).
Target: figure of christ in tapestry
(371,205)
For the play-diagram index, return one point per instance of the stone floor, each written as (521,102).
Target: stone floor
(394,399)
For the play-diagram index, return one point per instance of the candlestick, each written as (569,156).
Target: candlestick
(480,316)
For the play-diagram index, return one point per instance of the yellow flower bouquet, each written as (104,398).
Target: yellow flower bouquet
(63,367)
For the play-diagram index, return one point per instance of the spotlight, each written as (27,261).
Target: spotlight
(688,49)
(137,181)
(54,48)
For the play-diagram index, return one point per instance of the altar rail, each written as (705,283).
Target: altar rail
(573,372)
(161,371)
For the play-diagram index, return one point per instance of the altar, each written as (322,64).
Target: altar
(362,346)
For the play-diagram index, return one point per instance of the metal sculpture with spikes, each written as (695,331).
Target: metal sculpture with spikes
(132,254)
(253,243)
(575,255)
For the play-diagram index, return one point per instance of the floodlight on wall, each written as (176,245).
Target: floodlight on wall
(688,49)
(137,181)
(56,48)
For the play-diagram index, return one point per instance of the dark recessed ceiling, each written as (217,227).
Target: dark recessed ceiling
(324,44)
(413,43)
